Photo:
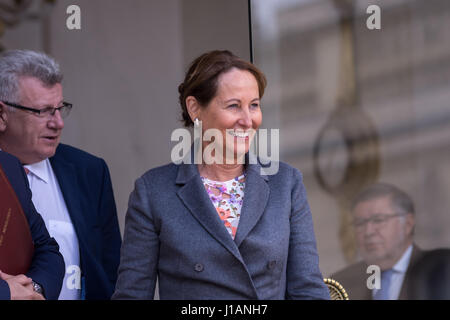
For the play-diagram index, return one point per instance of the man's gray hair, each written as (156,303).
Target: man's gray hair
(399,199)
(25,63)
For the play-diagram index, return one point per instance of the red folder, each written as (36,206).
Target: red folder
(16,243)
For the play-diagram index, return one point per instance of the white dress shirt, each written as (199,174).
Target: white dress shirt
(49,202)
(399,274)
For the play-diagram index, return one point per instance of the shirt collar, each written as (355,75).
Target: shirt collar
(40,169)
(402,264)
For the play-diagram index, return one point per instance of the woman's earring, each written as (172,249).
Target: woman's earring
(196,122)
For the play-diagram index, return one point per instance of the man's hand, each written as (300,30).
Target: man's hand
(20,287)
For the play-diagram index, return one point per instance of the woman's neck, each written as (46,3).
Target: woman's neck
(221,172)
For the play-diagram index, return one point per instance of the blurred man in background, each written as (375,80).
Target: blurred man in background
(383,220)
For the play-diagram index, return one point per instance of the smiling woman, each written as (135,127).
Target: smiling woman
(224,92)
(220,230)
(234,111)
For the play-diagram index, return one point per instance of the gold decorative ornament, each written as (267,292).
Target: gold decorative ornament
(337,291)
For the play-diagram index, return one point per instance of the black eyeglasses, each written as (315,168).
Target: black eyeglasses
(48,112)
(377,220)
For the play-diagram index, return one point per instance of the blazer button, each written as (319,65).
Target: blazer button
(271,265)
(198,267)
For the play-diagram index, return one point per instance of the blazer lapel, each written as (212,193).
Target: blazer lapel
(415,256)
(67,179)
(195,198)
(256,195)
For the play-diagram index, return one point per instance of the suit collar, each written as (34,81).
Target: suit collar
(40,169)
(196,199)
(416,254)
(253,166)
(193,195)
(256,196)
(188,170)
(402,264)
(66,176)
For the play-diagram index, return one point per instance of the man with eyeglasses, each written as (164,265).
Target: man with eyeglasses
(71,189)
(383,221)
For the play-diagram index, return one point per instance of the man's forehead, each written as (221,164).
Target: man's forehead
(33,89)
(33,82)
(378,205)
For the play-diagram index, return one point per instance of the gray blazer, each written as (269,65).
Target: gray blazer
(173,232)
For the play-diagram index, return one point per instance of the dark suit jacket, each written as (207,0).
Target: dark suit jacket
(47,265)
(173,231)
(86,187)
(354,278)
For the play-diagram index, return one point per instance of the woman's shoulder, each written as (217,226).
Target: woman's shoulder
(278,170)
(164,173)
(286,178)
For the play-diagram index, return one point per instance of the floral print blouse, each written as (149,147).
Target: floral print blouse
(227,197)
